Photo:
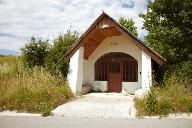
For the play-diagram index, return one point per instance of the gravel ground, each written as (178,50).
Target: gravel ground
(102,105)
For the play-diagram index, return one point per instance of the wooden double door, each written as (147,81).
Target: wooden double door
(115,76)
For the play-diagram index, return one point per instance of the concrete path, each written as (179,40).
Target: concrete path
(72,122)
(99,105)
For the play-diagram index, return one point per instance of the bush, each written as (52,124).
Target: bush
(55,61)
(35,52)
(151,103)
(172,97)
(190,106)
(38,52)
(185,72)
(164,107)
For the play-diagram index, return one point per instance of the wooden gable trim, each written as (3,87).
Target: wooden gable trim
(155,56)
(160,60)
(79,42)
(97,37)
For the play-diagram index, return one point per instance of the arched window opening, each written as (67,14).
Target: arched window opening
(129,66)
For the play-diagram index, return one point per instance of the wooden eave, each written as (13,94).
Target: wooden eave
(96,33)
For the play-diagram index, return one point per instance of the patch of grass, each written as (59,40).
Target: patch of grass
(164,107)
(173,97)
(151,103)
(140,105)
(31,90)
(190,106)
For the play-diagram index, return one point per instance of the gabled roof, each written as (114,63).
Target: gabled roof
(117,27)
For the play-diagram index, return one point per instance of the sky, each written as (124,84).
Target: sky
(22,19)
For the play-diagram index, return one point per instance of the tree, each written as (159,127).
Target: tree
(169,26)
(169,23)
(129,24)
(55,61)
(35,52)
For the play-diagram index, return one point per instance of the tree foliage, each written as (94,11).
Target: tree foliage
(38,52)
(169,26)
(129,24)
(169,23)
(35,52)
(55,61)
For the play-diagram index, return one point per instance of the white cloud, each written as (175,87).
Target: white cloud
(47,18)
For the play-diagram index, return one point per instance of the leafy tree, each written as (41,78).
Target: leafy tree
(55,61)
(169,23)
(169,26)
(129,24)
(35,52)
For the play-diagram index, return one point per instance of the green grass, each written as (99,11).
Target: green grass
(30,90)
(172,97)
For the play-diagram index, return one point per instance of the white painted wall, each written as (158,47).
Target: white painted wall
(146,72)
(100,86)
(146,76)
(130,87)
(113,44)
(75,75)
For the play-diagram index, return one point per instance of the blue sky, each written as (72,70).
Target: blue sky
(21,19)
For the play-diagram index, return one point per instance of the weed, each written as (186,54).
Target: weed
(173,97)
(30,90)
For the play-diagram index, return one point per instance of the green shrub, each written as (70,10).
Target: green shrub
(164,107)
(173,97)
(180,104)
(55,61)
(189,106)
(35,52)
(38,52)
(151,103)
(47,112)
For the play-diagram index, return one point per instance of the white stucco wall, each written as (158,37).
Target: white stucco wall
(75,75)
(100,86)
(146,72)
(113,44)
(146,75)
(130,87)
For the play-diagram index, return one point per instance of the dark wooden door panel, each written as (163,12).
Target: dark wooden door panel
(114,83)
(115,77)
